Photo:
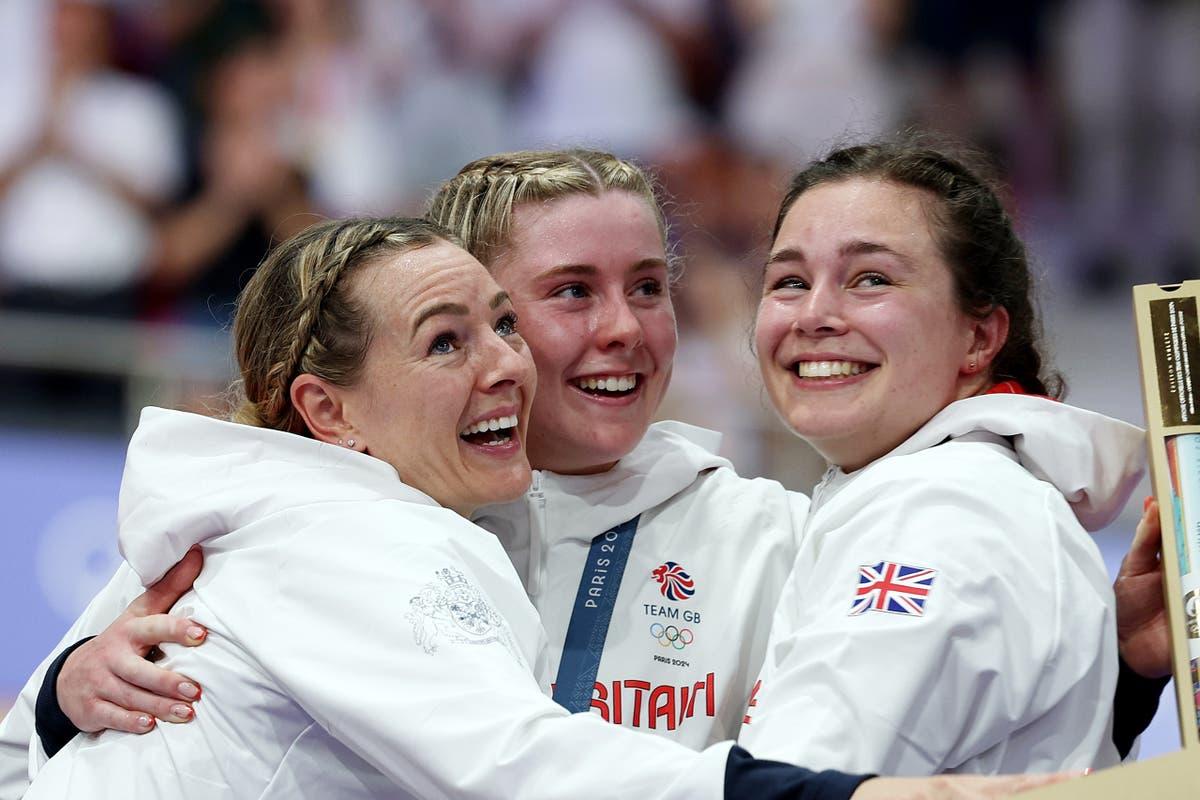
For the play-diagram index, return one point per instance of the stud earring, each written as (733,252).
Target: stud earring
(974,366)
(349,443)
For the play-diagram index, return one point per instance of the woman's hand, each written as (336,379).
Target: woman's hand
(1142,633)
(953,787)
(109,683)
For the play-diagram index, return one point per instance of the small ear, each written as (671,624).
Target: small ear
(991,332)
(319,403)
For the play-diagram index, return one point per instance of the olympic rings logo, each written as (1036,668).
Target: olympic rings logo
(670,636)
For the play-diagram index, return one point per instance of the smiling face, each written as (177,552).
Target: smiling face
(588,276)
(860,336)
(445,390)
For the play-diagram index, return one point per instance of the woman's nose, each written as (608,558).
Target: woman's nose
(617,325)
(506,363)
(820,312)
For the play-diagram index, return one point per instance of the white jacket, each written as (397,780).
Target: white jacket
(736,538)
(1011,663)
(361,638)
(681,668)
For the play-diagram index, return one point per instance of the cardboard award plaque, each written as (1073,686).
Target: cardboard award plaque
(1168,333)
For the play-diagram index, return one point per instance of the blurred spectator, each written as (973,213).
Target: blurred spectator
(178,43)
(815,72)
(980,75)
(1129,72)
(713,361)
(602,76)
(251,191)
(337,112)
(83,170)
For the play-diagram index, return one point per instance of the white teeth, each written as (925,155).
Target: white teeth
(496,424)
(608,383)
(828,369)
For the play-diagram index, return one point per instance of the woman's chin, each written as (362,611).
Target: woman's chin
(578,455)
(508,487)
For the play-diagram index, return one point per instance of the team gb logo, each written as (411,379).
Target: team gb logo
(673,582)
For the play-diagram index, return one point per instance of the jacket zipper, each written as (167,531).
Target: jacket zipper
(815,501)
(537,525)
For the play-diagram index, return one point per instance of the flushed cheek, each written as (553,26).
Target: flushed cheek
(770,326)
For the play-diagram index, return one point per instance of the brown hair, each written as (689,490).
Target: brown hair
(973,232)
(477,203)
(299,314)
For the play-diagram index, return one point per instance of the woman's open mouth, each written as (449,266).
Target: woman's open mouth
(818,370)
(607,385)
(494,432)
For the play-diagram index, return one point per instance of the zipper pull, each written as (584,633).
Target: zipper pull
(537,513)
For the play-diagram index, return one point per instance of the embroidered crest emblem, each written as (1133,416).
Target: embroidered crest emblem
(673,582)
(452,609)
(892,588)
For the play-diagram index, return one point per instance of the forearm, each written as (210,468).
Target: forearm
(53,727)
(20,749)
(1134,706)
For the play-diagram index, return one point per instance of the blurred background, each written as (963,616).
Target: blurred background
(152,150)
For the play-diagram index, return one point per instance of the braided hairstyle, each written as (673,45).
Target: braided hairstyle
(973,232)
(477,203)
(299,313)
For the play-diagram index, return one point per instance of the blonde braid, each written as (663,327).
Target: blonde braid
(478,202)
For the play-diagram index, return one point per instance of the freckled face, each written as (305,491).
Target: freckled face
(588,276)
(860,336)
(444,361)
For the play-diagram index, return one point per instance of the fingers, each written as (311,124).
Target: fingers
(110,671)
(120,719)
(953,787)
(159,598)
(136,703)
(146,632)
(142,676)
(1024,783)
(1143,555)
(124,691)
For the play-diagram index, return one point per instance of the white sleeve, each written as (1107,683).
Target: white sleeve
(443,703)
(21,753)
(911,690)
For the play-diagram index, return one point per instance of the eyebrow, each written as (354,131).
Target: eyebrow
(458,309)
(590,269)
(854,248)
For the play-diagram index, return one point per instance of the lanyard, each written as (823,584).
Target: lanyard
(593,611)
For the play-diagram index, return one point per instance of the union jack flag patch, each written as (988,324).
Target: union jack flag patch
(892,588)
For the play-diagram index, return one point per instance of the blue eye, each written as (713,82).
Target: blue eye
(445,343)
(507,325)
(575,291)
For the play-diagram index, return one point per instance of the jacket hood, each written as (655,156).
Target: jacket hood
(190,479)
(665,462)
(1094,461)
